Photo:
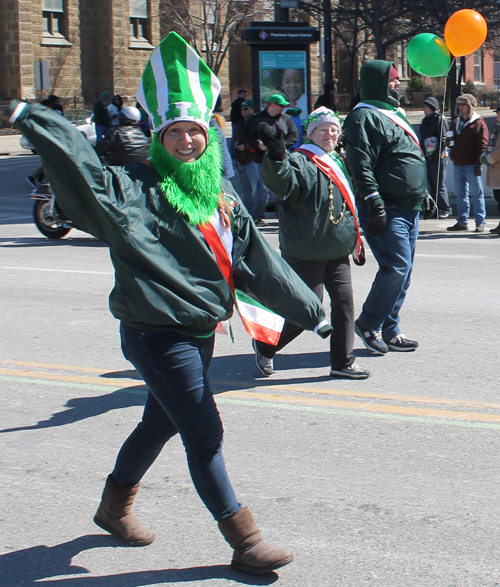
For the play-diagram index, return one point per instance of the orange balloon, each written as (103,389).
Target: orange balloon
(465,32)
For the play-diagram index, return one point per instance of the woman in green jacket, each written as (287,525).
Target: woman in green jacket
(317,231)
(178,236)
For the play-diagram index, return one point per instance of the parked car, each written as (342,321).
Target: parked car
(84,124)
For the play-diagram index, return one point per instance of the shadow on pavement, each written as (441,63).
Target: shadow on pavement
(81,408)
(241,375)
(41,241)
(29,566)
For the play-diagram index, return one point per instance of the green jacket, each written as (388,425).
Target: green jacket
(166,277)
(305,229)
(382,157)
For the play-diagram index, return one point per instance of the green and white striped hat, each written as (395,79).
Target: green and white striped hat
(177,85)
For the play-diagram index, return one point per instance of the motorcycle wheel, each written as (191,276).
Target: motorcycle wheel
(45,221)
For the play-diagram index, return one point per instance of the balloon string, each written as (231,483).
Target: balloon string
(441,142)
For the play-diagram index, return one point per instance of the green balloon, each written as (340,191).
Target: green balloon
(428,55)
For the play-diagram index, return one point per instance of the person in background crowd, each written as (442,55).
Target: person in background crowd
(281,124)
(114,109)
(317,232)
(235,115)
(247,176)
(126,142)
(432,140)
(470,141)
(101,116)
(179,238)
(389,174)
(54,103)
(144,122)
(295,114)
(491,158)
(217,121)
(327,99)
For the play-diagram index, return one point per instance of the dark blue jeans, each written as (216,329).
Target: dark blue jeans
(394,251)
(175,369)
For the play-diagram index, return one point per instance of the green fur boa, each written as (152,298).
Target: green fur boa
(192,188)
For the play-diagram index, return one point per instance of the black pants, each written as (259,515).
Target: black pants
(335,276)
(496,195)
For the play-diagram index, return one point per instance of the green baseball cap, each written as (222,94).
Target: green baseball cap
(278,99)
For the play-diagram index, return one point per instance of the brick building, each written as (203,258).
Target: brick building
(91,46)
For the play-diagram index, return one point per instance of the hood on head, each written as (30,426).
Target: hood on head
(374,80)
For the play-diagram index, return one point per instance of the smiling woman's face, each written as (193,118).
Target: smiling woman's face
(292,84)
(184,140)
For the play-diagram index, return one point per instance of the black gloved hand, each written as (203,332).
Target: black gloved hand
(362,257)
(478,170)
(324,331)
(274,143)
(377,217)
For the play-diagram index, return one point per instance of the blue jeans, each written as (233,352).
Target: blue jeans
(437,186)
(394,251)
(260,193)
(466,182)
(100,131)
(175,369)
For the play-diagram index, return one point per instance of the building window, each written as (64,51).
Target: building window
(140,28)
(478,67)
(53,18)
(54,23)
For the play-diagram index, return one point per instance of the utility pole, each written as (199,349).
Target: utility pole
(281,9)
(327,39)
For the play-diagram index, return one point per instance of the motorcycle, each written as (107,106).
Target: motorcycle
(49,218)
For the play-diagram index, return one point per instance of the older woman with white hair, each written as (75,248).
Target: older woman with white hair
(318,230)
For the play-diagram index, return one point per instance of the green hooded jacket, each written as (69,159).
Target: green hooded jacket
(382,157)
(166,276)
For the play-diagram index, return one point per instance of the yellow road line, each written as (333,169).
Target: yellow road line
(49,366)
(417,399)
(73,378)
(126,382)
(273,397)
(429,413)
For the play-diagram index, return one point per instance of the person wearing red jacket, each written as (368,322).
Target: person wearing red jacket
(470,140)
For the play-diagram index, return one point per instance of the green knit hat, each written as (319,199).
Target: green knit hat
(177,85)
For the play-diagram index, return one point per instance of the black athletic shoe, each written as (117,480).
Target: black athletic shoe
(401,343)
(264,365)
(372,339)
(354,371)
(457,227)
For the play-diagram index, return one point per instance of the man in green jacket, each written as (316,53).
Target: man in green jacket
(389,172)
(178,239)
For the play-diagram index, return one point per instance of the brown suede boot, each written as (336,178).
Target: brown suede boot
(114,515)
(251,553)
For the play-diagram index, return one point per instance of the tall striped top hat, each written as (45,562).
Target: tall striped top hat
(177,85)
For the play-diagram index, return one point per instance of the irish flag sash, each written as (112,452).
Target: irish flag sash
(395,117)
(260,323)
(327,165)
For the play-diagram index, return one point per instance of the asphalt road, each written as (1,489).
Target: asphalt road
(388,482)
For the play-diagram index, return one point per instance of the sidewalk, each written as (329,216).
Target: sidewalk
(9,146)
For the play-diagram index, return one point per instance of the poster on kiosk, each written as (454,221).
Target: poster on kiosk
(284,72)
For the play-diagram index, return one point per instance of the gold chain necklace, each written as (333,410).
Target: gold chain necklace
(331,208)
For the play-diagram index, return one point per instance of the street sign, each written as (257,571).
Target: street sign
(42,77)
(289,3)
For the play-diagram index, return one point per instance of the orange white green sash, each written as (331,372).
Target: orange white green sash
(327,164)
(260,323)
(395,117)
